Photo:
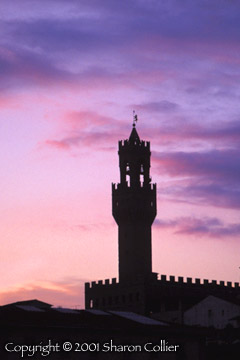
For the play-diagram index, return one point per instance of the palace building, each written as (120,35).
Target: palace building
(138,288)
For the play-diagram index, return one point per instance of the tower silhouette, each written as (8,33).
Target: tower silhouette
(134,208)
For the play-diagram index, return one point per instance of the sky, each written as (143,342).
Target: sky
(71,74)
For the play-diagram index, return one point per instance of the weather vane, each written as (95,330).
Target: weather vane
(135,118)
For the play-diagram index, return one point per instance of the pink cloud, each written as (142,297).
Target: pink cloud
(88,129)
(58,144)
(80,120)
(69,293)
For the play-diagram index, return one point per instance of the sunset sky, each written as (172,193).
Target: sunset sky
(71,74)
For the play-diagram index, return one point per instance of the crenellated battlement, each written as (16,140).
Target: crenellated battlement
(118,186)
(126,144)
(191,281)
(164,279)
(163,292)
(101,283)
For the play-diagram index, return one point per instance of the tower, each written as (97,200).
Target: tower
(134,209)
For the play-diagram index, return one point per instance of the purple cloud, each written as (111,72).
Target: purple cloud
(225,195)
(209,227)
(152,37)
(21,67)
(178,130)
(210,177)
(164,106)
(215,164)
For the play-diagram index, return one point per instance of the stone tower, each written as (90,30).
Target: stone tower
(134,209)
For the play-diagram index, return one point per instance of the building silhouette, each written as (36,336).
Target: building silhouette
(116,312)
(138,288)
(42,330)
